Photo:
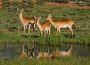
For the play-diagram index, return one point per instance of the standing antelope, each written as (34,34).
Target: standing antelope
(44,27)
(63,23)
(26,21)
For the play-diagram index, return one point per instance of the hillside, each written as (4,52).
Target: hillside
(10,28)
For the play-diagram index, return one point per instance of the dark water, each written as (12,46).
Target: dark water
(9,51)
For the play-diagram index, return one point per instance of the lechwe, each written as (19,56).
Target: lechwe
(26,21)
(23,54)
(57,53)
(62,23)
(43,55)
(44,26)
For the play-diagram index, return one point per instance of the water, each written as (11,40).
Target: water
(10,50)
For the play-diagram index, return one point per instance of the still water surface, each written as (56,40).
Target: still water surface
(9,51)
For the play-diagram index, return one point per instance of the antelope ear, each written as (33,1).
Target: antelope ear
(49,14)
(18,9)
(22,9)
(40,17)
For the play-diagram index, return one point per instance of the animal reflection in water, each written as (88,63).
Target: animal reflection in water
(43,55)
(46,55)
(23,54)
(57,54)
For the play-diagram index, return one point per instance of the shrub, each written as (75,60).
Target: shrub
(40,2)
(58,0)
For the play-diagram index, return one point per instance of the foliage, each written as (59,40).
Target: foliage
(5,4)
(10,32)
(58,1)
(40,2)
(10,27)
(61,61)
(27,3)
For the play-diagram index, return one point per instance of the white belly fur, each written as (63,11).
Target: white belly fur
(64,26)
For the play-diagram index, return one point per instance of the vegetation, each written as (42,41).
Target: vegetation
(61,61)
(10,28)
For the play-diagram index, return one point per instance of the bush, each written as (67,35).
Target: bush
(16,4)
(5,4)
(40,2)
(26,4)
(57,0)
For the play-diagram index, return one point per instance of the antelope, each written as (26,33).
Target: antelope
(62,23)
(26,21)
(23,54)
(57,54)
(43,55)
(44,27)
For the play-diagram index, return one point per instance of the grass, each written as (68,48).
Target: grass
(10,33)
(10,25)
(60,61)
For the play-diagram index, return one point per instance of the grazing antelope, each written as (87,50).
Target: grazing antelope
(43,55)
(44,27)
(26,21)
(57,54)
(63,23)
(23,54)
